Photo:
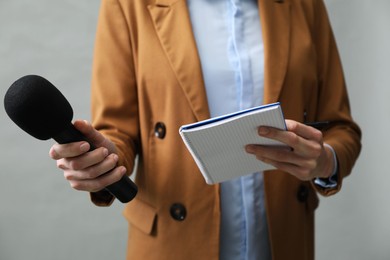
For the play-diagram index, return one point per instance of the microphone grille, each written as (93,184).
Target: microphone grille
(37,107)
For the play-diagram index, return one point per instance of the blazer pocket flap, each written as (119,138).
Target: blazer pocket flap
(141,215)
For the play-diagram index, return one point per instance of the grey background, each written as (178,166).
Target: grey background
(41,217)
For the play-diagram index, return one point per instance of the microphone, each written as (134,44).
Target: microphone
(40,109)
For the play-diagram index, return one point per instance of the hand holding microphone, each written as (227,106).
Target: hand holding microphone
(87,157)
(87,170)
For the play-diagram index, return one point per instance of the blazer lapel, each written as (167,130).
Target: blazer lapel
(173,26)
(275,20)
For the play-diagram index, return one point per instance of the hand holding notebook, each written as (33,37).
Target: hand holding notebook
(218,144)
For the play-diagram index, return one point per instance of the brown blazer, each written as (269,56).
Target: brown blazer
(147,82)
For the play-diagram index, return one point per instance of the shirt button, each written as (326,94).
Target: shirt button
(303,193)
(178,212)
(160,130)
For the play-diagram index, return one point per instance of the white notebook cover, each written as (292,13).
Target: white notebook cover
(218,144)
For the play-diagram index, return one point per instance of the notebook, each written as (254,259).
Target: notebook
(218,144)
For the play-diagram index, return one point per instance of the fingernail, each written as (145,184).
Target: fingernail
(84,147)
(249,149)
(263,130)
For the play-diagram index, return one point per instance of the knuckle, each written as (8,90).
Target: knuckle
(317,134)
(110,162)
(309,166)
(281,156)
(99,184)
(75,165)
(117,175)
(294,139)
(88,174)
(91,173)
(304,174)
(121,171)
(316,150)
(292,126)
(114,176)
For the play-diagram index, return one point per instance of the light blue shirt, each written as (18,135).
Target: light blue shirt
(230,45)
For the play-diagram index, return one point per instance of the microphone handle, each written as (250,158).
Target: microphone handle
(124,189)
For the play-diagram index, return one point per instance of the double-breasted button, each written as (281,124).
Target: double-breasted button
(178,212)
(303,193)
(160,130)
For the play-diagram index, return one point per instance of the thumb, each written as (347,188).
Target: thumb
(91,134)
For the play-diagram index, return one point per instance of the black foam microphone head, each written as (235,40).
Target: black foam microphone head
(36,106)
